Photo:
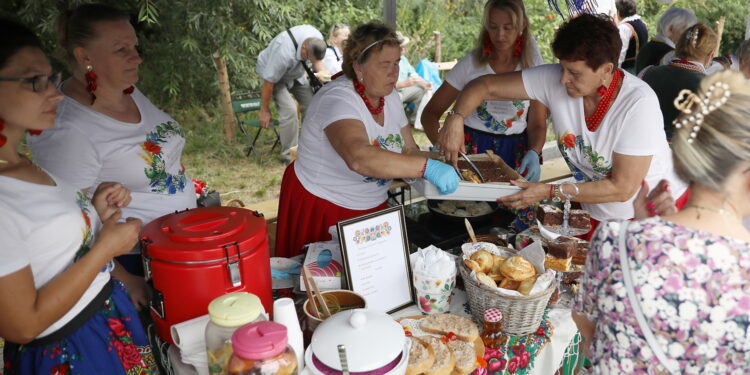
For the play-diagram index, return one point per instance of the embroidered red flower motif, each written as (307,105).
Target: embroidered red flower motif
(128,354)
(513,364)
(525,359)
(200,186)
(569,141)
(61,369)
(519,349)
(519,113)
(117,327)
(376,143)
(86,219)
(540,330)
(503,363)
(508,123)
(152,147)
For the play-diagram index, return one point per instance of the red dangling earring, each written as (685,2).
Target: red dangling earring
(518,47)
(129,90)
(602,90)
(34,132)
(91,82)
(3,138)
(488,48)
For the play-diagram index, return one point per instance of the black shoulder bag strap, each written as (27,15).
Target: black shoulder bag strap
(315,83)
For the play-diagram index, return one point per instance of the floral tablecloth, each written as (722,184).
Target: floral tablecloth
(551,348)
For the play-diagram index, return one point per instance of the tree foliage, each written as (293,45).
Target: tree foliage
(179,37)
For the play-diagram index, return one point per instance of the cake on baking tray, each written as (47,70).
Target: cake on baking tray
(489,170)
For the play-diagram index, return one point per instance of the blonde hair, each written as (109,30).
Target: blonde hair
(696,42)
(363,41)
(518,16)
(722,141)
(335,30)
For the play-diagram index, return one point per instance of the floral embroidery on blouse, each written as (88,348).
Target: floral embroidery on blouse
(694,292)
(569,142)
(394,143)
(84,203)
(160,180)
(500,126)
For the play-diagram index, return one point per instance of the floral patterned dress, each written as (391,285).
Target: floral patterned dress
(694,292)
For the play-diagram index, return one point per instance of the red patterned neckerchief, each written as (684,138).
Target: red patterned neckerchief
(687,65)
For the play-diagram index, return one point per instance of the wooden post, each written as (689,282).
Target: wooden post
(389,13)
(226,97)
(719,32)
(747,23)
(438,47)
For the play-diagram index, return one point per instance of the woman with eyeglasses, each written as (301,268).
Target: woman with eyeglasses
(351,146)
(107,130)
(61,311)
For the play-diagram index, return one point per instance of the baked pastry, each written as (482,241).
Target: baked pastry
(421,357)
(486,279)
(466,356)
(470,176)
(485,260)
(509,284)
(557,264)
(549,215)
(582,250)
(463,327)
(517,268)
(571,277)
(472,265)
(579,219)
(562,247)
(444,360)
(527,285)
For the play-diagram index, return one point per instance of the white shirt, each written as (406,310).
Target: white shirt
(626,32)
(279,62)
(491,116)
(47,228)
(86,148)
(633,125)
(321,170)
(331,61)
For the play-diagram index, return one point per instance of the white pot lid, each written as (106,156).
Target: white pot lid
(372,340)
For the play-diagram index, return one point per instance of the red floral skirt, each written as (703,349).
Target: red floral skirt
(304,218)
(111,342)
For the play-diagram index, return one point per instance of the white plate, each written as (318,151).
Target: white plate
(467,191)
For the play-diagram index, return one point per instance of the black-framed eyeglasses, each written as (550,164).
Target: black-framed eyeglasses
(39,82)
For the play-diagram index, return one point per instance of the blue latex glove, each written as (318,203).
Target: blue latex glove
(442,175)
(530,167)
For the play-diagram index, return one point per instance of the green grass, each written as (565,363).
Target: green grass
(224,167)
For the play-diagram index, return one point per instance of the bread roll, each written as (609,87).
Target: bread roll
(496,262)
(472,265)
(486,279)
(485,260)
(526,285)
(466,356)
(517,268)
(509,284)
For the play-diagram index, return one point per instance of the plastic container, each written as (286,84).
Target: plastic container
(228,313)
(261,349)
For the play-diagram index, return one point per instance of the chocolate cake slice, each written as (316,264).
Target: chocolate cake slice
(549,215)
(488,168)
(579,219)
(562,247)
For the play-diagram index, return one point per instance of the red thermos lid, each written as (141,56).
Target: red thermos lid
(203,235)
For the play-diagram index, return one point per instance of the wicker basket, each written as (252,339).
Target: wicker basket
(521,314)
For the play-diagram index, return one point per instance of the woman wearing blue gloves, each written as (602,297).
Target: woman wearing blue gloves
(350,146)
(514,129)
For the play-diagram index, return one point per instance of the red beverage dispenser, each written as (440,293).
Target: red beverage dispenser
(194,256)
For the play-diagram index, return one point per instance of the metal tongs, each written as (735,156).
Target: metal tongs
(473,167)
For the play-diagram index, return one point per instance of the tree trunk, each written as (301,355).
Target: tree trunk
(226,97)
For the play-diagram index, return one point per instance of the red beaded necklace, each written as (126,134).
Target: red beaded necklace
(361,91)
(592,123)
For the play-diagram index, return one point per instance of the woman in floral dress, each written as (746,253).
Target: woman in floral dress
(607,122)
(107,130)
(690,269)
(61,311)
